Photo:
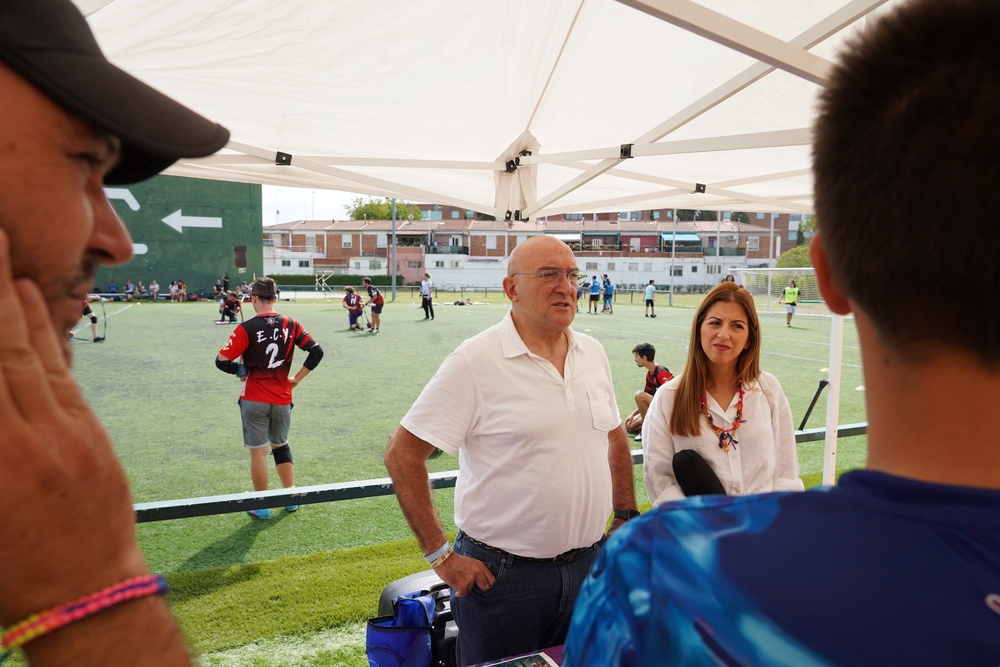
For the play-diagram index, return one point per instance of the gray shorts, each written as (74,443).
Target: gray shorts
(790,308)
(264,424)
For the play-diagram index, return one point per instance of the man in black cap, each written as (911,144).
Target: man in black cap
(70,123)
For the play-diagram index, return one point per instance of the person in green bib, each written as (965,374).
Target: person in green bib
(790,297)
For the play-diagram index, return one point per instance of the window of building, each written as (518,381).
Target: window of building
(439,264)
(647,266)
(595,243)
(414,265)
(456,241)
(573,216)
(381,240)
(268,243)
(611,266)
(375,264)
(430,214)
(591,266)
(760,216)
(678,271)
(633,266)
(630,215)
(357,265)
(713,268)
(310,243)
(303,263)
(655,215)
(469,215)
(454,215)
(286,262)
(346,241)
(694,269)
(453,264)
(491,241)
(753,243)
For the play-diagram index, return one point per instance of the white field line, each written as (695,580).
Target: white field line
(106,315)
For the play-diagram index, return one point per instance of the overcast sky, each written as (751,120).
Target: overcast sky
(285,204)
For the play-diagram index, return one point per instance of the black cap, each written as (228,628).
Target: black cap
(49,43)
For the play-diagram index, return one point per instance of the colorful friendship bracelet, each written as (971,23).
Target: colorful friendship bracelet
(45,622)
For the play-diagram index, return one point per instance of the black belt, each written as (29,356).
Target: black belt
(564,557)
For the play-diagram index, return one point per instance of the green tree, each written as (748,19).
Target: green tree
(381,209)
(740,216)
(797,257)
(708,215)
(685,215)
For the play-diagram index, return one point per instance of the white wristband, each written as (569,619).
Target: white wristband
(430,558)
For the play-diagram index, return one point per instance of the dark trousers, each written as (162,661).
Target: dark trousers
(528,607)
(428,307)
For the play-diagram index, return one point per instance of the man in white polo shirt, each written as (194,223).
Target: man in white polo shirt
(543,461)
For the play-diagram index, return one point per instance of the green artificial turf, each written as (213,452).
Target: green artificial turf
(242,585)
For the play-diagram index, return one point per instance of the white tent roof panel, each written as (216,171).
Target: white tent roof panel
(357,92)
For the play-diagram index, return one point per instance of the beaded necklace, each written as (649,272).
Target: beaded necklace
(726,434)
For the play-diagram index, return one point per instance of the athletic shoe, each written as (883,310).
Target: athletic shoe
(647,314)
(638,437)
(99,339)
(374,330)
(292,508)
(260,514)
(653,315)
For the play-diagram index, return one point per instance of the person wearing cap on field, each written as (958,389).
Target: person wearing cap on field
(70,124)
(265,344)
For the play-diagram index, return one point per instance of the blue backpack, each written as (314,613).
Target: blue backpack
(403,639)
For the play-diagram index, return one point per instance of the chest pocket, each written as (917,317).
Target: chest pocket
(600,409)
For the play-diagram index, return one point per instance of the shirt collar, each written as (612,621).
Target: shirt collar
(511,341)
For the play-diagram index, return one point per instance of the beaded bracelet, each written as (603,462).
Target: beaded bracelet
(45,622)
(430,558)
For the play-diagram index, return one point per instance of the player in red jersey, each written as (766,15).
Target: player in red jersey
(266,344)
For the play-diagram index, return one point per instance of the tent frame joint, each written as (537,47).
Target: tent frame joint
(625,151)
(283,159)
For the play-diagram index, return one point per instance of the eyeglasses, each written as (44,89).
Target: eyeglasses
(551,275)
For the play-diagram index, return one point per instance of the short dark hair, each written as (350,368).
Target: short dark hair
(264,288)
(906,163)
(645,350)
(366,281)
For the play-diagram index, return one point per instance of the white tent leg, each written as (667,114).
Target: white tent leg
(833,399)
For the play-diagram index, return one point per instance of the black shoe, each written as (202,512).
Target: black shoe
(98,339)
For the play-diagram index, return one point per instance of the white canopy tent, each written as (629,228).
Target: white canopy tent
(532,107)
(432,101)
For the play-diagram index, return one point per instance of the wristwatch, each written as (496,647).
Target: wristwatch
(625,515)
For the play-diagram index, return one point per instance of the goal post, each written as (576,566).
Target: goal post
(767,286)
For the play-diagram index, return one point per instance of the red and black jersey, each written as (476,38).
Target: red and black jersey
(656,377)
(353,302)
(267,343)
(375,295)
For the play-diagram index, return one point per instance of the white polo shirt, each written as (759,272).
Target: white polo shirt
(532,445)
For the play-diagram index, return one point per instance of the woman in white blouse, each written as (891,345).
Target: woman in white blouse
(723,407)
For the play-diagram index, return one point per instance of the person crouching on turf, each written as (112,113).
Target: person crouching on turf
(352,302)
(229,307)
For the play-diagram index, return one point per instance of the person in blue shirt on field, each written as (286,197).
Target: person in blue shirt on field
(595,295)
(898,564)
(650,291)
(609,293)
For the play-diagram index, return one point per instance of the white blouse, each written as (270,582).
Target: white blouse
(765,459)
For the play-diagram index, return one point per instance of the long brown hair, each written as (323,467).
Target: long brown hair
(686,416)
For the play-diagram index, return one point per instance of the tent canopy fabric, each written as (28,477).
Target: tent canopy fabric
(540,108)
(682,237)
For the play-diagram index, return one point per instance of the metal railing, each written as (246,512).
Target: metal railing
(185,508)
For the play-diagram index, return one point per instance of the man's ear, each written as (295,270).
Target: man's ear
(508,288)
(828,287)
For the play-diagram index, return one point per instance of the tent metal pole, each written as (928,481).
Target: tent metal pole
(833,400)
(392,266)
